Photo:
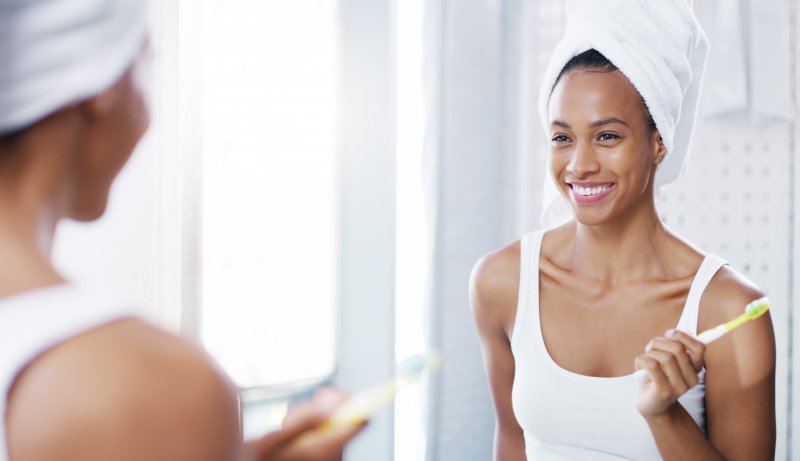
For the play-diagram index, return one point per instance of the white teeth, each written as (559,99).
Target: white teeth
(589,191)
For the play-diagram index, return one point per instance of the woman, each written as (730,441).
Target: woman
(82,379)
(567,314)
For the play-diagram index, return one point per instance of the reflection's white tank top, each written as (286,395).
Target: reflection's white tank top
(35,321)
(568,416)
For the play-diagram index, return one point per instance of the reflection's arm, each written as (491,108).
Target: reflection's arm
(493,293)
(740,381)
(740,385)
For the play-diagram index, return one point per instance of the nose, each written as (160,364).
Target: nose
(583,161)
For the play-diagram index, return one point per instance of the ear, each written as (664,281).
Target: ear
(100,105)
(659,149)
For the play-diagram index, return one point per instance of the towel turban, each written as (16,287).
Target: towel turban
(54,53)
(661,48)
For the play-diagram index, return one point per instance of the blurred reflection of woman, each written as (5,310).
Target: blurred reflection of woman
(81,378)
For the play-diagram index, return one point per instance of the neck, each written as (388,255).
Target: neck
(629,248)
(32,186)
(25,242)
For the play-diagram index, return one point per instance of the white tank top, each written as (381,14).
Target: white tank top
(569,416)
(35,321)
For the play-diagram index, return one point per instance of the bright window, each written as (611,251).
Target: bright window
(412,254)
(269,188)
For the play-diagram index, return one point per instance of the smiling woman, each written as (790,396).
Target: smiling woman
(613,275)
(603,146)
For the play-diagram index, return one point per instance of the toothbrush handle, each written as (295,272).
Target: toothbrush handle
(359,407)
(712,334)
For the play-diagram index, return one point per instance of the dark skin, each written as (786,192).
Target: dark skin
(614,251)
(125,391)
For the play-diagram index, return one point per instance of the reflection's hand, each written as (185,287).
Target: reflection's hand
(302,438)
(672,364)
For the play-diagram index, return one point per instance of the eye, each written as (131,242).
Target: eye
(559,138)
(608,137)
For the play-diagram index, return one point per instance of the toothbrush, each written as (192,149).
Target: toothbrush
(753,310)
(360,406)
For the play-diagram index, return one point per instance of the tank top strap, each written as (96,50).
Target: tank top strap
(528,297)
(708,268)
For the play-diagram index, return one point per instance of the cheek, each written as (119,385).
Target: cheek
(555,166)
(636,166)
(557,162)
(139,113)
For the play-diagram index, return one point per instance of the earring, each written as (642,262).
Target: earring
(660,159)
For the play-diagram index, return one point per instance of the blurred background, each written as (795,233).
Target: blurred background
(321,175)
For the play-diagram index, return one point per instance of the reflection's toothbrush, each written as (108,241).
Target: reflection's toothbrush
(358,408)
(753,310)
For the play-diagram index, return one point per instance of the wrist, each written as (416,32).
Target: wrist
(665,418)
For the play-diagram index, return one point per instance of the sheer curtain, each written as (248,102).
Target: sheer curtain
(481,177)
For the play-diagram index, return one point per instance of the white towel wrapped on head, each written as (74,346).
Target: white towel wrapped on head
(660,47)
(54,53)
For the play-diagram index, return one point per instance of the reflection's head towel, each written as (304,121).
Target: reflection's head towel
(54,53)
(660,47)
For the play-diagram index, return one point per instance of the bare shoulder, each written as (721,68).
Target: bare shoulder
(740,371)
(750,349)
(124,391)
(727,294)
(494,287)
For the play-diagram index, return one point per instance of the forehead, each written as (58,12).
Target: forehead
(583,96)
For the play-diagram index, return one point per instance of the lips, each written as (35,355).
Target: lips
(590,192)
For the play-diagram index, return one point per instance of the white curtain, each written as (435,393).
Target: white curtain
(482,191)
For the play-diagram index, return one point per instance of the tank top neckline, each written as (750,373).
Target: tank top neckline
(529,301)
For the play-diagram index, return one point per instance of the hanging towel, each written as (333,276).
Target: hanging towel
(725,90)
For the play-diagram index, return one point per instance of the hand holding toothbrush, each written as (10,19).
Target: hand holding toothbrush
(674,361)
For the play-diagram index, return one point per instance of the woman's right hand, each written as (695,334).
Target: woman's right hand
(301,438)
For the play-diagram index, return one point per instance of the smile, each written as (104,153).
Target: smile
(586,193)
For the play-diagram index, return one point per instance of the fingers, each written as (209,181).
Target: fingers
(326,444)
(695,348)
(315,411)
(653,368)
(304,437)
(675,361)
(302,419)
(672,362)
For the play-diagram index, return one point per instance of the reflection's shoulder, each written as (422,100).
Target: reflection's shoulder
(726,295)
(494,286)
(498,269)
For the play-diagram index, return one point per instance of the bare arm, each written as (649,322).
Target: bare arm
(129,392)
(740,383)
(126,392)
(493,292)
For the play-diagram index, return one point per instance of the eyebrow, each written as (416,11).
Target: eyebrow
(599,123)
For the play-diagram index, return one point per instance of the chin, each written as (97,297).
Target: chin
(89,212)
(590,219)
(590,222)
